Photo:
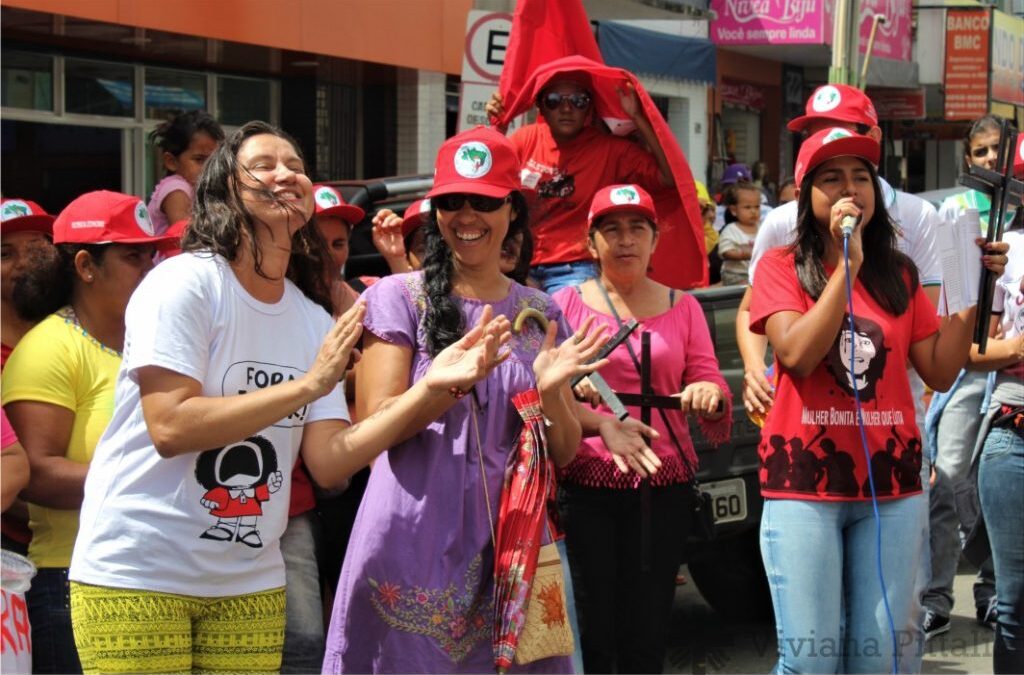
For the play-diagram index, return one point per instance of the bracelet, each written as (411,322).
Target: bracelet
(456,393)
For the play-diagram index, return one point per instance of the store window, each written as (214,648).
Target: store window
(168,92)
(27,81)
(240,100)
(99,88)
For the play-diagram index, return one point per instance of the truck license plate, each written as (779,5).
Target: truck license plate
(728,499)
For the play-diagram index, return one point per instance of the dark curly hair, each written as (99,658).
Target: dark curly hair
(443,322)
(219,217)
(175,135)
(883,265)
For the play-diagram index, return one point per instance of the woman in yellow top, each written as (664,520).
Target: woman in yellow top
(58,390)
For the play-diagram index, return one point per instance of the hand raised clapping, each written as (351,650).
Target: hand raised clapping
(337,350)
(556,365)
(466,362)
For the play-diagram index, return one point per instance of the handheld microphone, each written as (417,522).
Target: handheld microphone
(849,222)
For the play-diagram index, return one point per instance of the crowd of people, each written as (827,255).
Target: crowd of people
(231,458)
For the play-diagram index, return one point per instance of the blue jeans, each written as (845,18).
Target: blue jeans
(551,278)
(820,558)
(1001,489)
(958,430)
(49,612)
(304,610)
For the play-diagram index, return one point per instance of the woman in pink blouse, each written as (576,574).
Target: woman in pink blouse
(606,504)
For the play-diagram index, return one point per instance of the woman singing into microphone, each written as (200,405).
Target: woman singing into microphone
(818,541)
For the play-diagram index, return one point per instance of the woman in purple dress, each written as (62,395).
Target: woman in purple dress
(416,588)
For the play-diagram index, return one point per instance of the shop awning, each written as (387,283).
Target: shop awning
(647,52)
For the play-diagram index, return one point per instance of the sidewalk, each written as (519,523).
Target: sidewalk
(701,642)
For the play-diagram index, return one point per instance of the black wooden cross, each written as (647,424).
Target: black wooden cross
(1005,192)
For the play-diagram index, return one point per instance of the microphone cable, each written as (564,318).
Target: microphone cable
(864,446)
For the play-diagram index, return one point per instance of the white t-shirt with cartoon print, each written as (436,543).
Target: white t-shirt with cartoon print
(204,523)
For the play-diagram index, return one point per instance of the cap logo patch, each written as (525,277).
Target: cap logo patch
(825,99)
(14,208)
(142,219)
(326,198)
(625,195)
(835,135)
(473,160)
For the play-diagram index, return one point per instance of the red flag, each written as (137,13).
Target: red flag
(543,31)
(680,260)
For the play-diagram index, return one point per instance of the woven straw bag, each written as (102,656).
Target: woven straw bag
(547,631)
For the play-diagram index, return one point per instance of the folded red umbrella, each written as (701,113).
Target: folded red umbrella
(528,492)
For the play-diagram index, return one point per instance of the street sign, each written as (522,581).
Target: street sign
(967,64)
(487,35)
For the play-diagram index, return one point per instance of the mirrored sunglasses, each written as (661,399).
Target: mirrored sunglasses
(553,100)
(481,203)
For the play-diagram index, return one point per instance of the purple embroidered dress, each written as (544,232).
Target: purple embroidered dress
(416,589)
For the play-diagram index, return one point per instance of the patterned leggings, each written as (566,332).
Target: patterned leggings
(128,631)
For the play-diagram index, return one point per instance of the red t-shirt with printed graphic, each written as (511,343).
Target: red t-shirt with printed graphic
(566,176)
(811,445)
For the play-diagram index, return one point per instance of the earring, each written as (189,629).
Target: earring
(88,278)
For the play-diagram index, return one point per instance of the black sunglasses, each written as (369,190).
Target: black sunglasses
(481,203)
(553,100)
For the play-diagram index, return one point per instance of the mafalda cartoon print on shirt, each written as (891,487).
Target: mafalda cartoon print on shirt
(238,478)
(867,345)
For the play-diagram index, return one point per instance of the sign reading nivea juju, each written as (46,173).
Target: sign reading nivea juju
(792,22)
(768,22)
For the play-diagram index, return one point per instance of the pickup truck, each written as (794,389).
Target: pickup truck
(727,571)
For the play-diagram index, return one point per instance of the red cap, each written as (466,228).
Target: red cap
(104,217)
(838,103)
(20,215)
(172,247)
(329,202)
(621,198)
(834,142)
(480,161)
(415,215)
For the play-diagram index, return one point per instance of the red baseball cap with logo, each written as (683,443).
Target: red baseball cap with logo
(835,142)
(329,202)
(172,246)
(837,102)
(415,215)
(615,198)
(22,215)
(479,161)
(104,217)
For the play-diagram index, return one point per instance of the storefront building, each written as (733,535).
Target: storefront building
(358,83)
(972,65)
(773,54)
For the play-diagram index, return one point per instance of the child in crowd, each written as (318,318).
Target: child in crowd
(736,242)
(185,143)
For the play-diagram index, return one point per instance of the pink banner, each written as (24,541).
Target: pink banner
(768,22)
(892,39)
